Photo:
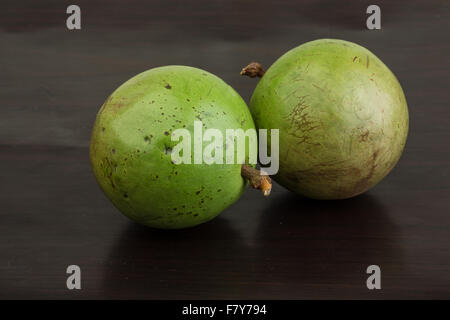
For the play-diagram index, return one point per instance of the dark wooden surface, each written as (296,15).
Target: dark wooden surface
(53,214)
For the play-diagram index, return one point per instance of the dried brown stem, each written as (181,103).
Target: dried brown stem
(254,69)
(256,179)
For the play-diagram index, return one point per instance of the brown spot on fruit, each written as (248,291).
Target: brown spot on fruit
(167,86)
(300,122)
(320,88)
(364,183)
(364,136)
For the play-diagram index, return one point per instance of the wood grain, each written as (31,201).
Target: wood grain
(53,214)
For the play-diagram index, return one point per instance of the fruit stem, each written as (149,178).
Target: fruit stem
(254,69)
(256,179)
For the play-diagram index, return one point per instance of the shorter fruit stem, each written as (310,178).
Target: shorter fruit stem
(257,180)
(254,69)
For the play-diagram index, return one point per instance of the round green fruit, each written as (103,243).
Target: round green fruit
(341,114)
(131,147)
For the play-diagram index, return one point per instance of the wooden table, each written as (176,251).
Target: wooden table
(53,214)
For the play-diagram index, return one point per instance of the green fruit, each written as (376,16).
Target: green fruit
(131,147)
(342,116)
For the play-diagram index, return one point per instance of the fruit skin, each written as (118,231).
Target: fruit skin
(342,116)
(131,143)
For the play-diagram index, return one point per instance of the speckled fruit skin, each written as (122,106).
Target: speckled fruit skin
(131,144)
(342,116)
